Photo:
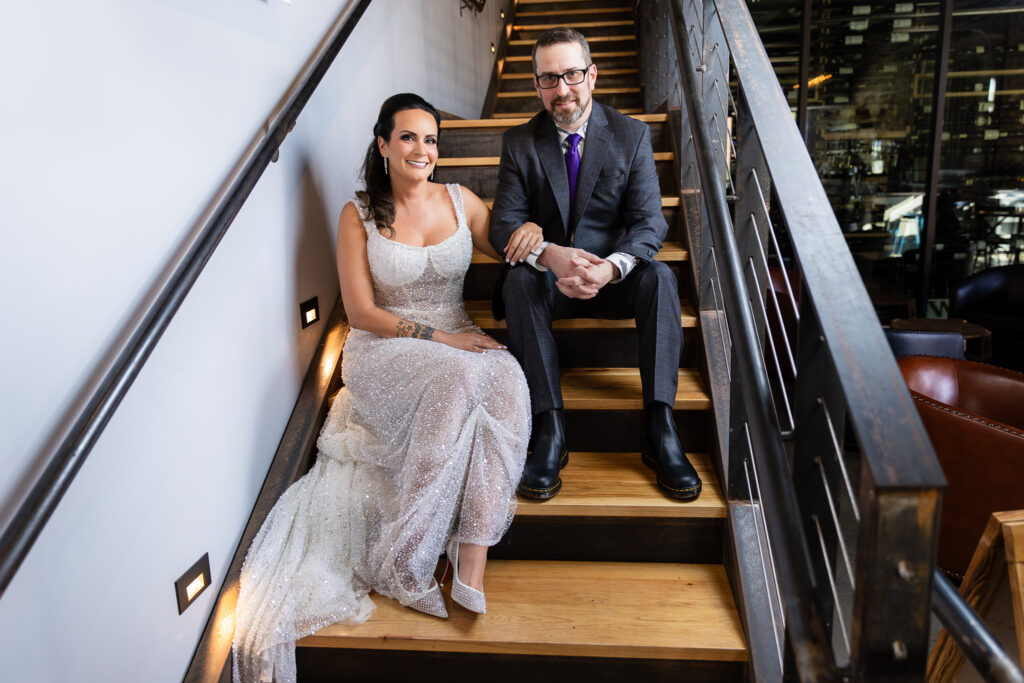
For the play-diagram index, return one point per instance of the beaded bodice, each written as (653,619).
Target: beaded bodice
(423,284)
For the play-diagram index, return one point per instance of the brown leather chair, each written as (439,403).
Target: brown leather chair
(974,415)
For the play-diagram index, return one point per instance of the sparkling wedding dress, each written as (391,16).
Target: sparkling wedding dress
(423,442)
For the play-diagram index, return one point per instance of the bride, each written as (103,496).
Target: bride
(424,445)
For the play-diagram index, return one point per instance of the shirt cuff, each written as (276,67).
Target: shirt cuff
(532,257)
(625,263)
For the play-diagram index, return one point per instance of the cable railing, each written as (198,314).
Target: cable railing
(833,486)
(62,466)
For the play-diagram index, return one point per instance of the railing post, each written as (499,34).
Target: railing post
(892,607)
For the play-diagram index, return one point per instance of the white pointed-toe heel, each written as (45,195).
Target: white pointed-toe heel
(430,602)
(468,597)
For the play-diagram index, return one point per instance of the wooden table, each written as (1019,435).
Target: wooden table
(977,339)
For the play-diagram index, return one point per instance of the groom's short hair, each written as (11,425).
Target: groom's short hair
(561,34)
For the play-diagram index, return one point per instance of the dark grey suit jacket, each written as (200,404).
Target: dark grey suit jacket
(618,198)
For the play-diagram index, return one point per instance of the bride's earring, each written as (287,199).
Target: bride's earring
(432,173)
(385,165)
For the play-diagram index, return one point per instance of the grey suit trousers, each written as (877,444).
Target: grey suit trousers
(649,295)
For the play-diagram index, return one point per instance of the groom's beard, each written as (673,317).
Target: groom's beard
(566,117)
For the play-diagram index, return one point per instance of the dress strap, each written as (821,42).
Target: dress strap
(368,225)
(455,192)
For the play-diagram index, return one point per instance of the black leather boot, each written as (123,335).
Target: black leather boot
(662,452)
(548,455)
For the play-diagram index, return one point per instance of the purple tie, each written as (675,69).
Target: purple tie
(572,167)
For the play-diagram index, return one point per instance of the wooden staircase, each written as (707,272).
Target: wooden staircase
(609,579)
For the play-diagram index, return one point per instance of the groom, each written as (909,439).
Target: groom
(583,175)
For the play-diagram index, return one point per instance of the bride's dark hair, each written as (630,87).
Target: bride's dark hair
(380,205)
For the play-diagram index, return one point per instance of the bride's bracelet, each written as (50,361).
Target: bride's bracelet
(414,330)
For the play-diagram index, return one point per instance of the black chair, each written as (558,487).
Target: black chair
(917,343)
(994,299)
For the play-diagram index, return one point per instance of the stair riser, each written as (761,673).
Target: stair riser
(555,4)
(525,16)
(324,665)
(595,45)
(483,180)
(486,142)
(589,539)
(619,430)
(531,105)
(526,32)
(481,278)
(604,348)
(611,81)
(526,67)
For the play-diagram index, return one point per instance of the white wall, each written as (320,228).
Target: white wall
(123,117)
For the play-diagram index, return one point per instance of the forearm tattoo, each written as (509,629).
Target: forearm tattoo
(414,330)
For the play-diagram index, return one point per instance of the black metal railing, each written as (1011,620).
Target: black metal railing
(829,473)
(32,515)
(971,635)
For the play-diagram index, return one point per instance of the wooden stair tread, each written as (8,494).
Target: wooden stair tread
(597,91)
(547,2)
(525,115)
(670,251)
(619,389)
(591,40)
(594,56)
(596,609)
(604,72)
(665,202)
(480,311)
(573,12)
(576,25)
(620,485)
(506,122)
(493,161)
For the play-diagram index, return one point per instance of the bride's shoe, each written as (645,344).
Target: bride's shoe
(468,597)
(430,602)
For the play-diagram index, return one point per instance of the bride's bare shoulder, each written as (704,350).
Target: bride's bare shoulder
(351,219)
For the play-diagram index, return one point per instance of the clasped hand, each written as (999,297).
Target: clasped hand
(581,275)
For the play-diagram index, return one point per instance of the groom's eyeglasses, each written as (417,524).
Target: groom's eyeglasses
(571,77)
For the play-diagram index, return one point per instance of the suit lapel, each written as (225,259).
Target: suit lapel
(550,152)
(594,151)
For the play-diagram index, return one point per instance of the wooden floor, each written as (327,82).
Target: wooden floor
(454,124)
(619,389)
(620,485)
(606,609)
(669,252)
(480,311)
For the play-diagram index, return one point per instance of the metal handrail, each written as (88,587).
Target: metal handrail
(806,626)
(831,277)
(971,635)
(63,465)
(897,453)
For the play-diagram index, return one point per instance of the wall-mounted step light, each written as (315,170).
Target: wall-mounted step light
(193,582)
(493,50)
(309,312)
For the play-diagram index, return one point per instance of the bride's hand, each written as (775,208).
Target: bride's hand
(467,341)
(525,239)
